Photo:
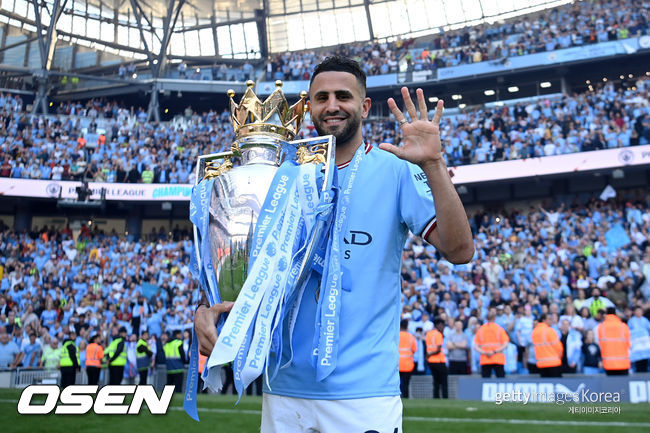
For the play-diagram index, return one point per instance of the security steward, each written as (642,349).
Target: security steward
(614,342)
(143,356)
(436,359)
(69,362)
(548,348)
(175,360)
(116,354)
(407,347)
(94,356)
(491,341)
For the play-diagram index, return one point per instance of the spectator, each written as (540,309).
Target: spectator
(32,351)
(591,353)
(458,347)
(597,303)
(51,354)
(572,347)
(10,354)
(640,340)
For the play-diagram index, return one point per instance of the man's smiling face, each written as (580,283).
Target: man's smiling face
(337,106)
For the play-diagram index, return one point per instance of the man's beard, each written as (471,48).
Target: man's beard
(344,135)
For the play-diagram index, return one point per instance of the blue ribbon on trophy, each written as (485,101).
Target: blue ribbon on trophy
(326,332)
(278,254)
(261,281)
(271,262)
(200,217)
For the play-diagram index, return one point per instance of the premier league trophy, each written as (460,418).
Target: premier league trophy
(257,227)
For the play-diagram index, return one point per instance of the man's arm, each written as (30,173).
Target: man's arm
(72,351)
(182,353)
(434,351)
(504,345)
(31,359)
(462,344)
(437,347)
(452,236)
(118,350)
(557,345)
(17,359)
(144,349)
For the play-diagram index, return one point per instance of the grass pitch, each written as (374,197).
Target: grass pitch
(219,415)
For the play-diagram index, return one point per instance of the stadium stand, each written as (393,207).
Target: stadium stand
(572,25)
(118,144)
(94,283)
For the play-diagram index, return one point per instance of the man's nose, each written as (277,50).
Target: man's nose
(331,105)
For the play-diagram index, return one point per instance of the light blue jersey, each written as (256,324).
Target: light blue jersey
(389,198)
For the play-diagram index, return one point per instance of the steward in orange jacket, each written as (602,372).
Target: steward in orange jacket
(94,355)
(490,341)
(407,347)
(548,348)
(436,359)
(614,342)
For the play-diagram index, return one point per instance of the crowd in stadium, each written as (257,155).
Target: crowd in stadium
(571,25)
(606,118)
(54,282)
(130,149)
(575,24)
(569,262)
(58,284)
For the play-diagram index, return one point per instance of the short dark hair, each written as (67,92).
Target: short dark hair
(611,310)
(341,64)
(438,322)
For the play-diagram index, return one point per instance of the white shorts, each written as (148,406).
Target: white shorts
(361,415)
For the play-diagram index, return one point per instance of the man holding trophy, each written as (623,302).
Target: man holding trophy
(331,360)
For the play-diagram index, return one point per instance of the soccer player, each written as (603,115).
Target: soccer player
(393,192)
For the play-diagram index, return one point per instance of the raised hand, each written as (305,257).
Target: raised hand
(421,135)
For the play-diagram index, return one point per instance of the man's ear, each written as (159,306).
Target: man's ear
(309,107)
(367,103)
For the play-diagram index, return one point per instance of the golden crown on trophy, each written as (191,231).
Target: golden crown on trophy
(274,116)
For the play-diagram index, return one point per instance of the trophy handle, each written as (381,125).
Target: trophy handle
(213,165)
(207,167)
(318,150)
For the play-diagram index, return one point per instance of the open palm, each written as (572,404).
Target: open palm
(421,135)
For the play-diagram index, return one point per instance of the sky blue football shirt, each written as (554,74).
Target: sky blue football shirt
(389,197)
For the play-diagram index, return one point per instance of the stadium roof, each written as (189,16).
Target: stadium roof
(158,8)
(239,29)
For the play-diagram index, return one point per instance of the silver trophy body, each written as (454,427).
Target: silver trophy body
(235,203)
(238,193)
